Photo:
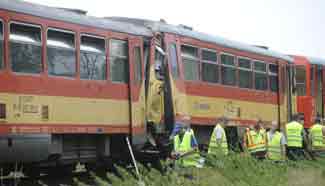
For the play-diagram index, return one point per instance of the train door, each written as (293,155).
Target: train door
(136,91)
(319,91)
(155,88)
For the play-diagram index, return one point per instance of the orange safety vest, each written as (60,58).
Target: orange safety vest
(256,141)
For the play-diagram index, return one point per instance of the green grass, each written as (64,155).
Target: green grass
(233,170)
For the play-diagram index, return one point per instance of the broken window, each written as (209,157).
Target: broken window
(92,58)
(25,48)
(61,55)
(119,61)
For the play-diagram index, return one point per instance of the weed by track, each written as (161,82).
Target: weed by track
(233,170)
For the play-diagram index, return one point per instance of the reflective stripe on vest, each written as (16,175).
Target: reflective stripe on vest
(317,136)
(274,146)
(213,145)
(294,134)
(256,141)
(184,146)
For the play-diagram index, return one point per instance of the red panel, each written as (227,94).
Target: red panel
(306,105)
(66,129)
(55,86)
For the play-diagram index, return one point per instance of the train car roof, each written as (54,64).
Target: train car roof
(72,17)
(316,61)
(181,30)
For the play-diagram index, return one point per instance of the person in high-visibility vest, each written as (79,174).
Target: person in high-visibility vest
(218,140)
(255,141)
(317,137)
(295,135)
(185,150)
(276,143)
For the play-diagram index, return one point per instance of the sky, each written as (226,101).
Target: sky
(287,26)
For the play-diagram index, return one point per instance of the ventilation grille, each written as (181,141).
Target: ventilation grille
(3,111)
(45,112)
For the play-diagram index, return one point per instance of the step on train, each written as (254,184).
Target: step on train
(73,86)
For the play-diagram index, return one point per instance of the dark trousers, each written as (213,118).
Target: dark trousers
(295,153)
(259,155)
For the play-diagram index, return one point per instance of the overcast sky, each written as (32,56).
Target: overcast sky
(288,26)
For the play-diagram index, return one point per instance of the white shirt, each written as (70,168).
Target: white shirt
(219,133)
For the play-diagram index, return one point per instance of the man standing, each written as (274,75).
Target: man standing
(255,141)
(218,141)
(276,142)
(295,137)
(185,150)
(317,138)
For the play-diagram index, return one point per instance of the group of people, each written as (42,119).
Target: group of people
(293,143)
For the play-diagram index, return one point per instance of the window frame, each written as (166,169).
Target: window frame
(105,52)
(124,40)
(2,38)
(272,74)
(216,63)
(247,70)
(197,60)
(40,44)
(74,49)
(261,72)
(135,72)
(170,46)
(235,66)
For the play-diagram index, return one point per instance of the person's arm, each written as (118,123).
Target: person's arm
(244,143)
(283,143)
(194,143)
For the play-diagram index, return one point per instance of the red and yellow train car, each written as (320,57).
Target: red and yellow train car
(208,77)
(72,86)
(69,83)
(309,73)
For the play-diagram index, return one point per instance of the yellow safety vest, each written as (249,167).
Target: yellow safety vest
(255,141)
(184,146)
(214,148)
(317,137)
(294,134)
(274,146)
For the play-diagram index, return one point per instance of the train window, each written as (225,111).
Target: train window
(273,77)
(92,58)
(1,45)
(245,73)
(260,75)
(209,66)
(228,69)
(61,55)
(301,80)
(209,55)
(312,80)
(173,59)
(119,60)
(137,65)
(25,48)
(190,62)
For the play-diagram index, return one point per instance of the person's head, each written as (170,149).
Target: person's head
(223,121)
(301,118)
(274,126)
(258,126)
(318,119)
